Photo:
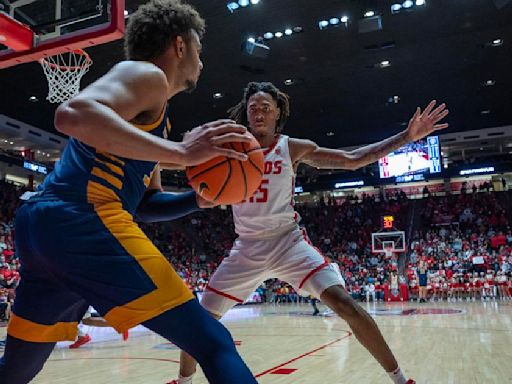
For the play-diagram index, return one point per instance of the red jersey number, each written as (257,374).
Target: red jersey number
(261,195)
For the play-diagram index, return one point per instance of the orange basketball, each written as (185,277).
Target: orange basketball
(228,181)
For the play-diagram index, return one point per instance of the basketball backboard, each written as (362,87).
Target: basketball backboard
(56,26)
(385,242)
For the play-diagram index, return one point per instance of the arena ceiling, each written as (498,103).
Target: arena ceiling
(343,92)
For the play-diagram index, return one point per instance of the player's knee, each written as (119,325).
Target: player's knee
(217,341)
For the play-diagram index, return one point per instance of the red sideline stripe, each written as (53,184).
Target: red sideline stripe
(303,355)
(224,294)
(311,273)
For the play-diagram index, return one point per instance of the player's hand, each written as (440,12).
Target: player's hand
(424,123)
(205,142)
(202,203)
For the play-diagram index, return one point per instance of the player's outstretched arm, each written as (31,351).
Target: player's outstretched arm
(420,125)
(100,116)
(157,205)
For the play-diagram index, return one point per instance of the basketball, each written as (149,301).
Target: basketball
(226,181)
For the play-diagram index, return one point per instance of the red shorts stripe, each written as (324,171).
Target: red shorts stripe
(311,273)
(208,288)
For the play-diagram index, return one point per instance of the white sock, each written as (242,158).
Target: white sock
(397,376)
(185,380)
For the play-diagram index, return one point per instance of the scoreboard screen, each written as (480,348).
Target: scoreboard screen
(420,157)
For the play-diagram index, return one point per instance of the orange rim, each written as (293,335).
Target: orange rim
(86,63)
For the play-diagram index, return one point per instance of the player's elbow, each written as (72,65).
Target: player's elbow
(69,117)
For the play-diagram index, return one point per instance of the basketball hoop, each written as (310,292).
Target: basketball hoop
(388,251)
(64,72)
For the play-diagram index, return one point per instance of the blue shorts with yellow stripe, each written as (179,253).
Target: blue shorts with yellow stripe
(76,254)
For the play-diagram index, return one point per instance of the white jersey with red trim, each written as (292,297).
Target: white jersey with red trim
(269,212)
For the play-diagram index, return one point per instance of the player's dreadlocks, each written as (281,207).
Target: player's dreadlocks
(239,111)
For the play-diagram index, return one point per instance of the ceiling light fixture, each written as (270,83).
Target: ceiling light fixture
(384,64)
(369,14)
(407,4)
(288,31)
(278,34)
(322,24)
(233,6)
(396,8)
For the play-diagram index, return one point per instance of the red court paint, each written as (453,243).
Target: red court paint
(303,355)
(283,371)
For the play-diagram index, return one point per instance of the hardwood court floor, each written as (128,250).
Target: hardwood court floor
(466,343)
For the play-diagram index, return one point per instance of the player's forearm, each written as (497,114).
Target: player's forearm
(324,158)
(100,127)
(373,152)
(159,206)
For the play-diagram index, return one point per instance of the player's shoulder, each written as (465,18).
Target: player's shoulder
(300,147)
(139,71)
(300,142)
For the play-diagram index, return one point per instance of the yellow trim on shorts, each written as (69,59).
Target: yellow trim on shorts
(170,289)
(27,330)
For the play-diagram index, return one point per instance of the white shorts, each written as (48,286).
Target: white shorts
(289,257)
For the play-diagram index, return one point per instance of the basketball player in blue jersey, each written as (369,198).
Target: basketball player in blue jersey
(76,237)
(270,242)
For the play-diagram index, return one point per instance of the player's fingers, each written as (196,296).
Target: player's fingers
(226,128)
(437,127)
(216,123)
(440,116)
(437,110)
(231,154)
(429,107)
(416,114)
(230,138)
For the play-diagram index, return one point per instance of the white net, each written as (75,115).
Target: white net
(64,72)
(388,251)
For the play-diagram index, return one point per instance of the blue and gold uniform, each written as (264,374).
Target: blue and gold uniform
(79,245)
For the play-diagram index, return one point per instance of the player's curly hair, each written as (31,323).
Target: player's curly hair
(239,111)
(155,25)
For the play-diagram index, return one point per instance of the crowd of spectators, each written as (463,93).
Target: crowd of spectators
(466,246)
(462,238)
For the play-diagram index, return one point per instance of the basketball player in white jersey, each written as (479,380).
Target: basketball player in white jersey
(271,244)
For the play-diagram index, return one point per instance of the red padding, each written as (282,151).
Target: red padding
(14,34)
